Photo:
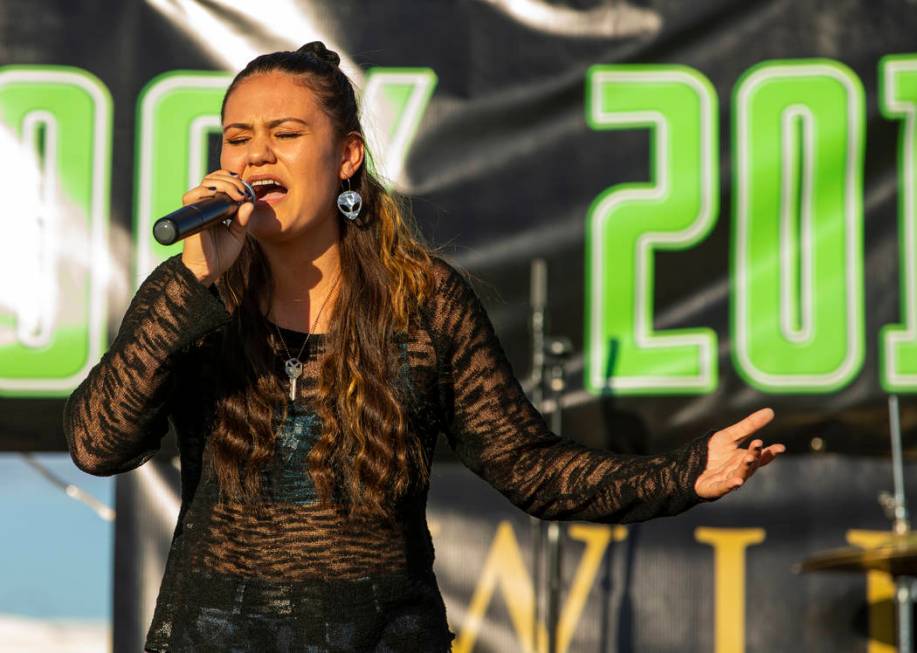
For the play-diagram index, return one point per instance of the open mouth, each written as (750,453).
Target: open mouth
(268,190)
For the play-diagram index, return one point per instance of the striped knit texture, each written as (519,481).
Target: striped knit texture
(295,576)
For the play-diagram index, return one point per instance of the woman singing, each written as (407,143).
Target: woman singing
(307,355)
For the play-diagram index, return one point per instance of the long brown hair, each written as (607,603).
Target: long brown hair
(365,448)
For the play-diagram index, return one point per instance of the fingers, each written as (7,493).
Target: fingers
(736,467)
(242,215)
(210,188)
(227,182)
(751,460)
(743,428)
(770,453)
(218,181)
(758,457)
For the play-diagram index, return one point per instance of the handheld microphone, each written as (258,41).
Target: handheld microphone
(190,219)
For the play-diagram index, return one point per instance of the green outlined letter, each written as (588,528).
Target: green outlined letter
(393,103)
(797,305)
(56,126)
(176,113)
(628,222)
(898,343)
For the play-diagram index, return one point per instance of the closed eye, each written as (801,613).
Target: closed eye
(239,141)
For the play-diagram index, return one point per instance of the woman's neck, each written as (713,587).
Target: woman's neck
(304,272)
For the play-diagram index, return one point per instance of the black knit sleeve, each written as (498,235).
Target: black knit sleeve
(498,434)
(115,420)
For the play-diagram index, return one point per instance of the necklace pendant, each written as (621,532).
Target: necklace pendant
(293,366)
(294,371)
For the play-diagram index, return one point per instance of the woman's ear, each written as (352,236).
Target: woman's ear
(351,155)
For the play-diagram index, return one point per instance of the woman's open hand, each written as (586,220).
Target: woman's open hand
(729,465)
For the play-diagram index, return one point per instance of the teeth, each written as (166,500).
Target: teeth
(265,182)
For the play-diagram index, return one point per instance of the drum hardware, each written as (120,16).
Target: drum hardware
(896,555)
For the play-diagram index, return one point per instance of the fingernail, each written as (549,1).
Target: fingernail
(212,187)
(234,174)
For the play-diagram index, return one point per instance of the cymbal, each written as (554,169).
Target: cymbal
(896,556)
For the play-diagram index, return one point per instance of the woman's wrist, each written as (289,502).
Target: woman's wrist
(202,276)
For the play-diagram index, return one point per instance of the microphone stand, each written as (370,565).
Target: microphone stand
(538,300)
(559,349)
(549,354)
(896,508)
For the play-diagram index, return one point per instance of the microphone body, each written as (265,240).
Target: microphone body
(190,219)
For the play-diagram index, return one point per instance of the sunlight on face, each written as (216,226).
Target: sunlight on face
(274,127)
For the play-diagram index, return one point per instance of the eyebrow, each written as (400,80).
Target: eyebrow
(271,124)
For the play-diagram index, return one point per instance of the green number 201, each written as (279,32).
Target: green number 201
(797,246)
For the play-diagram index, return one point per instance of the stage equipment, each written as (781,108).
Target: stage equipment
(557,353)
(549,359)
(538,299)
(190,219)
(896,556)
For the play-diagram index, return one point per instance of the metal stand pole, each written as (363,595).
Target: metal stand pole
(904,584)
(538,299)
(903,589)
(559,350)
(554,583)
(551,355)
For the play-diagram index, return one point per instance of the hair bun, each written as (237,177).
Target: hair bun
(318,50)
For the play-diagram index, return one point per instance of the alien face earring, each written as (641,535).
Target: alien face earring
(350,203)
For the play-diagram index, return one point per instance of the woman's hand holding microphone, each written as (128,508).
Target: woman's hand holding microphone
(209,253)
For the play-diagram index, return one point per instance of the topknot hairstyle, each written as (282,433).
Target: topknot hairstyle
(320,52)
(317,67)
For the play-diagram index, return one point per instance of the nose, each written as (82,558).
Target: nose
(259,151)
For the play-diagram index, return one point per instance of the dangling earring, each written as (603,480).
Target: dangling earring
(350,202)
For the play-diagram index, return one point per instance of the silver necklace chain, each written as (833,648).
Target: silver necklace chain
(293,366)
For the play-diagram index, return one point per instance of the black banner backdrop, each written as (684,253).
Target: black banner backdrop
(506,164)
(504,167)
